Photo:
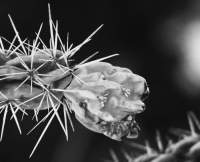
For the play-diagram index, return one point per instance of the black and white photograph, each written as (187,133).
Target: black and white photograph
(100,81)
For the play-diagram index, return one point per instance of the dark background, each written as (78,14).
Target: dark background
(136,30)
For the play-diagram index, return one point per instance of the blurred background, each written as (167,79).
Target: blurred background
(159,40)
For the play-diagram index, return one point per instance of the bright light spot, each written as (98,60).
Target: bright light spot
(190,61)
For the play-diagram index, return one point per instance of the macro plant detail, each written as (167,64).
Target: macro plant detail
(109,100)
(186,149)
(39,77)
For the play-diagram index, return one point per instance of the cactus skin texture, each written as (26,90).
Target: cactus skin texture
(186,149)
(37,77)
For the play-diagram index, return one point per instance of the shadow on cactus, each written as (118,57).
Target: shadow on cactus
(38,77)
(186,149)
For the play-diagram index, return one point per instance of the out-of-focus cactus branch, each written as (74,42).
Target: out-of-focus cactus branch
(186,149)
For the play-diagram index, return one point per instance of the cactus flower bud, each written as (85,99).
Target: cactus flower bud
(106,98)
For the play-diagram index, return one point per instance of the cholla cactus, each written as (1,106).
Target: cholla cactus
(186,149)
(37,77)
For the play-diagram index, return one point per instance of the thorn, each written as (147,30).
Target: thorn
(65,122)
(3,95)
(114,156)
(191,124)
(66,107)
(30,99)
(4,121)
(42,134)
(95,61)
(194,119)
(17,34)
(138,146)
(88,58)
(149,149)
(43,119)
(21,84)
(12,43)
(159,141)
(2,46)
(51,28)
(15,118)
(16,48)
(127,156)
